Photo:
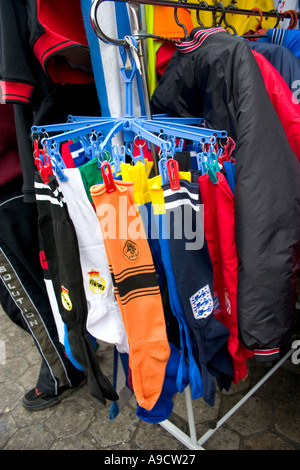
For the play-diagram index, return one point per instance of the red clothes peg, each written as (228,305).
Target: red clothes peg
(228,149)
(43,164)
(173,172)
(108,177)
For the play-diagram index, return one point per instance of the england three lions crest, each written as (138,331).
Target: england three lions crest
(202,303)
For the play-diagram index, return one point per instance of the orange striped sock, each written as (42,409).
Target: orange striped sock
(136,289)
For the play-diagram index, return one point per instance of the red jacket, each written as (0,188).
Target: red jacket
(284,102)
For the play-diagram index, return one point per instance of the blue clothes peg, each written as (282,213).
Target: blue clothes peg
(118,157)
(136,158)
(163,170)
(57,162)
(179,147)
(202,157)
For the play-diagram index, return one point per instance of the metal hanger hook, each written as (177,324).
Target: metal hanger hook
(98,30)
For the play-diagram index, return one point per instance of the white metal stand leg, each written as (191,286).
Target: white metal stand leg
(191,441)
(209,433)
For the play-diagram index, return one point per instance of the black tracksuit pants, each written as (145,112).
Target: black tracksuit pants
(23,294)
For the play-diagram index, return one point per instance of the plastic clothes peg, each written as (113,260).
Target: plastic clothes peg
(163,171)
(214,163)
(42,162)
(202,157)
(58,164)
(228,149)
(213,167)
(107,177)
(137,158)
(211,172)
(173,172)
(118,157)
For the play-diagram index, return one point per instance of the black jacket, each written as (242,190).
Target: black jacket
(214,75)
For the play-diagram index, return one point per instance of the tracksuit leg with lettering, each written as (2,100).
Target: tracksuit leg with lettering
(194,278)
(60,245)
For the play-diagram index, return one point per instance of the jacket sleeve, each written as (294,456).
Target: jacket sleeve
(17,81)
(267,205)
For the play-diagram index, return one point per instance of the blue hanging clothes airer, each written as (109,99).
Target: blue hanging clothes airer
(150,128)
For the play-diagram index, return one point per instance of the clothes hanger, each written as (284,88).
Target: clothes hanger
(223,18)
(259,32)
(260,19)
(278,17)
(292,14)
(180,24)
(205,5)
(293,18)
(256,34)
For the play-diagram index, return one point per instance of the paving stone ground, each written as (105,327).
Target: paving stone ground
(268,420)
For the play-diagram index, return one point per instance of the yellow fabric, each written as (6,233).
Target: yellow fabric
(152,47)
(138,174)
(243,23)
(157,195)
